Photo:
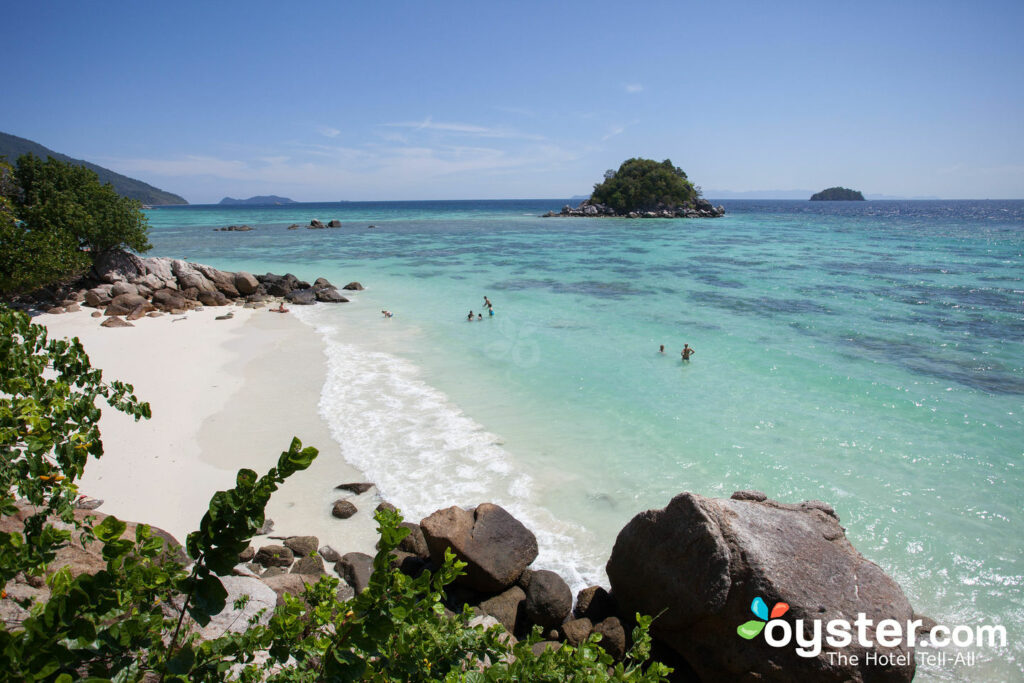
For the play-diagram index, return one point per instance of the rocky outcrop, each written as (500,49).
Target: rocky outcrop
(701,563)
(495,546)
(701,208)
(234,228)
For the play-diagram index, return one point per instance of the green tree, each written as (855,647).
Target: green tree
(644,185)
(57,217)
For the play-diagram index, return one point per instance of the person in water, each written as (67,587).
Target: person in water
(687,352)
(662,349)
(470,316)
(490,311)
(479,316)
(387,313)
(487,302)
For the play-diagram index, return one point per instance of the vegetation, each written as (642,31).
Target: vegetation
(644,185)
(129,621)
(56,218)
(12,147)
(834,194)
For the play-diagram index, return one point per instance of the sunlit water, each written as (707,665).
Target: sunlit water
(870,355)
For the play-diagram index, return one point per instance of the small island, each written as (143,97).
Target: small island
(838,194)
(644,188)
(261,200)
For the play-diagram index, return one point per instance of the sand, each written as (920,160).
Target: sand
(225,394)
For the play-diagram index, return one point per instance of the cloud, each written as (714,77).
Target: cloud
(612,132)
(328,132)
(469,129)
(634,87)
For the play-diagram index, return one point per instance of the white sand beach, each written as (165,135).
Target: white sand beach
(225,394)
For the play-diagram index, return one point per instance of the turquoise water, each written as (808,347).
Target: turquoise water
(870,355)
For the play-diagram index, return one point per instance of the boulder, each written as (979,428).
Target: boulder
(495,546)
(301,297)
(595,603)
(274,556)
(613,638)
(302,546)
(356,569)
(353,286)
(149,281)
(506,607)
(261,597)
(355,487)
(168,299)
(288,584)
(315,223)
(124,304)
(708,566)
(56,310)
(116,265)
(548,599)
(245,283)
(247,554)
(139,312)
(293,226)
(121,287)
(329,554)
(114,321)
(330,295)
(322,282)
(313,565)
(159,266)
(414,543)
(575,631)
(96,314)
(214,298)
(335,223)
(98,296)
(541,647)
(72,308)
(407,563)
(343,509)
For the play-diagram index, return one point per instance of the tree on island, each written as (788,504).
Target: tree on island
(56,218)
(644,185)
(837,194)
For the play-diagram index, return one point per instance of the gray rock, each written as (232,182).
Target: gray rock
(322,282)
(356,569)
(261,597)
(703,561)
(121,287)
(115,265)
(301,297)
(343,509)
(506,607)
(274,556)
(330,295)
(98,296)
(329,554)
(595,603)
(540,647)
(613,637)
(159,266)
(302,546)
(353,286)
(312,565)
(114,321)
(495,546)
(288,584)
(548,599)
(414,543)
(355,487)
(246,283)
(335,223)
(273,571)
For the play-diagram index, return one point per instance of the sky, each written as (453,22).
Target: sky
(347,100)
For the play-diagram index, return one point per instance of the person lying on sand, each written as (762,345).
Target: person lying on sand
(279,309)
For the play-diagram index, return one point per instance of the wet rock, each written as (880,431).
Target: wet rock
(302,546)
(308,565)
(335,223)
(330,295)
(343,509)
(301,297)
(353,286)
(356,487)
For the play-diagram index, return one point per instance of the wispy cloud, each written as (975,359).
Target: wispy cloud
(429,124)
(328,132)
(612,132)
(634,87)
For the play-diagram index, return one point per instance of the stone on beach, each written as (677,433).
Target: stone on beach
(355,487)
(115,321)
(303,546)
(704,560)
(495,546)
(343,509)
(356,569)
(274,556)
(246,283)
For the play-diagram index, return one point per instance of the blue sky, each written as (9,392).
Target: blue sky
(416,100)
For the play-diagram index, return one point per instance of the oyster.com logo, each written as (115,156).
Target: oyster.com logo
(752,628)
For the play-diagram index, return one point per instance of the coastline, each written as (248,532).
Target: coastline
(224,395)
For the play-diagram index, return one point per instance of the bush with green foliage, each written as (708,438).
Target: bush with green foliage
(644,185)
(130,620)
(57,217)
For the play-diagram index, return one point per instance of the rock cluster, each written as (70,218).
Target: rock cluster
(123,284)
(234,228)
(318,225)
(701,208)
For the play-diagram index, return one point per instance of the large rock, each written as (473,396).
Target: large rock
(214,298)
(169,299)
(160,266)
(303,546)
(98,296)
(121,287)
(123,304)
(506,607)
(701,562)
(301,297)
(115,265)
(356,569)
(548,599)
(594,603)
(495,546)
(414,543)
(291,584)
(274,556)
(114,321)
(246,283)
(261,597)
(329,295)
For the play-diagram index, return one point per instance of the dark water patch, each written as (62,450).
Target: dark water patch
(762,306)
(733,261)
(593,288)
(716,281)
(832,290)
(636,250)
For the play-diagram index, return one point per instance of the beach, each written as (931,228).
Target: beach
(225,395)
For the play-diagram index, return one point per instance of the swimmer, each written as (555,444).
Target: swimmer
(687,352)
(487,302)
(469,317)
(387,314)
(479,316)
(662,349)
(490,311)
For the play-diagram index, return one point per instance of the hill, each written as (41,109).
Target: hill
(837,194)
(12,147)
(259,200)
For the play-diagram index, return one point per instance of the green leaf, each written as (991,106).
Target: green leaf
(750,629)
(110,529)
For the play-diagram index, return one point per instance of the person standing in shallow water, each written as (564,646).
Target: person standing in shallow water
(687,352)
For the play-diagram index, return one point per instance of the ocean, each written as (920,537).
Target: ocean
(867,354)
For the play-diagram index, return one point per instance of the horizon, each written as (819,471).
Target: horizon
(499,103)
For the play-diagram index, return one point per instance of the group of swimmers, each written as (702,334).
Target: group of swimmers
(685,353)
(480,316)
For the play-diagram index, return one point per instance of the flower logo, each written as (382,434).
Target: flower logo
(751,628)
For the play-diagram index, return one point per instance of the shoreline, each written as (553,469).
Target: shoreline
(224,395)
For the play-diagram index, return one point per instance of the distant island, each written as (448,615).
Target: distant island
(837,194)
(262,199)
(644,188)
(12,147)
